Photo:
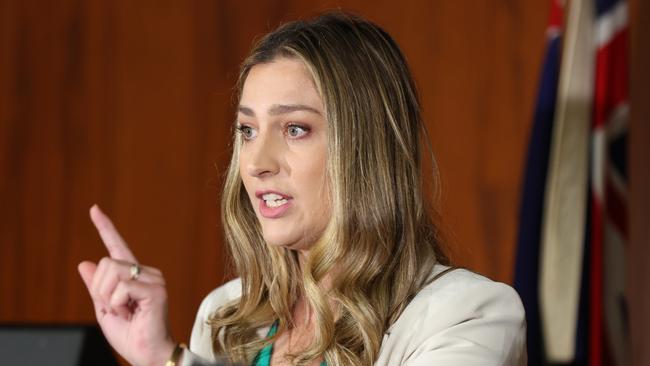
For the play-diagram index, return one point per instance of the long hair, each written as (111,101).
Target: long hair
(381,242)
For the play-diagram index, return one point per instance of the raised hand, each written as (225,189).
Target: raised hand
(131,307)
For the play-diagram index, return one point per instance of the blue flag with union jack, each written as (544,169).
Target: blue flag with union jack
(601,328)
(532,205)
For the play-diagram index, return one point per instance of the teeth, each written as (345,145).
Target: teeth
(274,200)
(271,197)
(276,203)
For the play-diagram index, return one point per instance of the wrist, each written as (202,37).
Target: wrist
(161,354)
(175,355)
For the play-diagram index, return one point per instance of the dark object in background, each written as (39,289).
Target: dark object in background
(64,345)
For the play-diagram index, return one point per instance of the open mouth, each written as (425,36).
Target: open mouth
(274,200)
(273,204)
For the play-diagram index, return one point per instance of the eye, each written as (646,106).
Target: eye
(247,132)
(297,131)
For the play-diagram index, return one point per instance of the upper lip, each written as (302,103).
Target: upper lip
(261,192)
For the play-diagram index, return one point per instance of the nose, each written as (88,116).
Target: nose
(263,156)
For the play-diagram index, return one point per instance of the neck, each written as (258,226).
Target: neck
(303,313)
(325,283)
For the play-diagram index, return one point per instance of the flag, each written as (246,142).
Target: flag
(570,262)
(609,343)
(534,186)
(565,216)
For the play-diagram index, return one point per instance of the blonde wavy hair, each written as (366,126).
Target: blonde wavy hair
(381,243)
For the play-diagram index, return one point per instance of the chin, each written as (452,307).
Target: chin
(278,239)
(284,241)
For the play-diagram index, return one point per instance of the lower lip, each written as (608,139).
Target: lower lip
(273,212)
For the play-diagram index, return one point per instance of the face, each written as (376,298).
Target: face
(284,152)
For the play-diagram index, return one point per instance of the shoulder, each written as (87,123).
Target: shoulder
(201,338)
(459,316)
(459,295)
(220,296)
(461,287)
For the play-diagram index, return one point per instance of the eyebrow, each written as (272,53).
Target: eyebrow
(278,109)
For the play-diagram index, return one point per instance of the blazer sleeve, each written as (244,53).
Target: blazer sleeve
(200,351)
(482,324)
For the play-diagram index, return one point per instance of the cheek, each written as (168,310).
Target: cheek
(246,178)
(311,179)
(243,161)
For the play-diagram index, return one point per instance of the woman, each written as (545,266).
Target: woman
(339,259)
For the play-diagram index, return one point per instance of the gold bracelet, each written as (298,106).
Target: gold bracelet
(178,350)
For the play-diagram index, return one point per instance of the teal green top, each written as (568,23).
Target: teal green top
(263,358)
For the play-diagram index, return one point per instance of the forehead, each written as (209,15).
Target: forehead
(281,81)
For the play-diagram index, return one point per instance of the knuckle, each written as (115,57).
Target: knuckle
(113,265)
(104,299)
(119,288)
(104,293)
(159,292)
(104,262)
(114,300)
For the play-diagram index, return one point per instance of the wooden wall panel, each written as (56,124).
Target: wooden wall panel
(129,105)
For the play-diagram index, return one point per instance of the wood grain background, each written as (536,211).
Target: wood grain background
(128,104)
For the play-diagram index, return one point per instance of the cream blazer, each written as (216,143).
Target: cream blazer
(461,318)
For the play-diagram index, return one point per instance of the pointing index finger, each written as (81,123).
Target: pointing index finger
(117,247)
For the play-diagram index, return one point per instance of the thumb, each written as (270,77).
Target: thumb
(87,272)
